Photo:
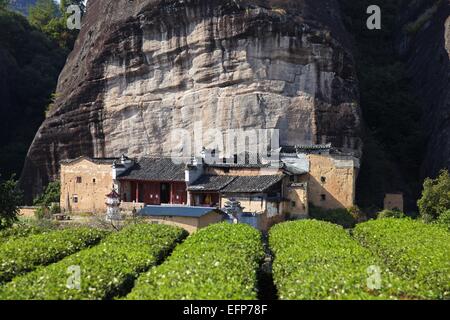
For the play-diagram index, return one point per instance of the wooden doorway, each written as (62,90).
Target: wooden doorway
(165,193)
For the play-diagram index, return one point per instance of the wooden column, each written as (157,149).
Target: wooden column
(137,192)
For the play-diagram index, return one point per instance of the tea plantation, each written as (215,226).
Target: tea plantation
(315,260)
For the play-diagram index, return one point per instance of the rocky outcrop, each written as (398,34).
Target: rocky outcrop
(425,44)
(141,69)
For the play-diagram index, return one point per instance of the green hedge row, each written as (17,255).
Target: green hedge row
(319,260)
(26,254)
(414,250)
(20,231)
(106,270)
(219,262)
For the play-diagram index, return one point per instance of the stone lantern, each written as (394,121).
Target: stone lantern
(112,204)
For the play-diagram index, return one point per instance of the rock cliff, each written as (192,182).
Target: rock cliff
(143,68)
(425,44)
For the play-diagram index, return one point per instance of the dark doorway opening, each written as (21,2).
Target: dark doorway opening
(140,192)
(165,193)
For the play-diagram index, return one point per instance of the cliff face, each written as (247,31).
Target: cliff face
(425,44)
(141,69)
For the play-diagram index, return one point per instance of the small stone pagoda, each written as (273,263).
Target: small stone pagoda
(112,204)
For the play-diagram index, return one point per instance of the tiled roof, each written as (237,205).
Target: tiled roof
(292,169)
(211,183)
(155,169)
(177,211)
(245,160)
(305,148)
(94,160)
(251,184)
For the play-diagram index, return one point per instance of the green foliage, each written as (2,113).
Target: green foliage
(435,198)
(51,195)
(4,4)
(319,260)
(30,63)
(51,19)
(41,14)
(107,270)
(218,262)
(20,231)
(342,217)
(48,201)
(415,251)
(444,220)
(390,214)
(26,254)
(10,200)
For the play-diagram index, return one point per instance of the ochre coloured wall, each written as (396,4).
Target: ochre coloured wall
(91,194)
(331,181)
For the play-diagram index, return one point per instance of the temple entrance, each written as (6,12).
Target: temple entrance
(165,193)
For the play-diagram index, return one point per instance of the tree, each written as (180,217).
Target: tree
(10,200)
(51,195)
(52,20)
(4,4)
(435,198)
(43,13)
(48,202)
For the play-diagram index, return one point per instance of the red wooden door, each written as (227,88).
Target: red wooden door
(179,194)
(152,192)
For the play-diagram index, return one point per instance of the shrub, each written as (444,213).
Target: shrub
(19,231)
(50,196)
(444,220)
(219,262)
(390,214)
(319,260)
(106,270)
(26,254)
(10,199)
(55,208)
(341,217)
(414,250)
(435,198)
(42,213)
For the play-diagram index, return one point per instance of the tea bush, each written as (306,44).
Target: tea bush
(319,260)
(106,270)
(19,231)
(219,262)
(390,214)
(416,251)
(26,254)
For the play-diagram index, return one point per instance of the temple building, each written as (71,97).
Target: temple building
(268,192)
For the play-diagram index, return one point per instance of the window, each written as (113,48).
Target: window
(292,178)
(93,181)
(75,198)
(323,179)
(79,180)
(293,204)
(323,197)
